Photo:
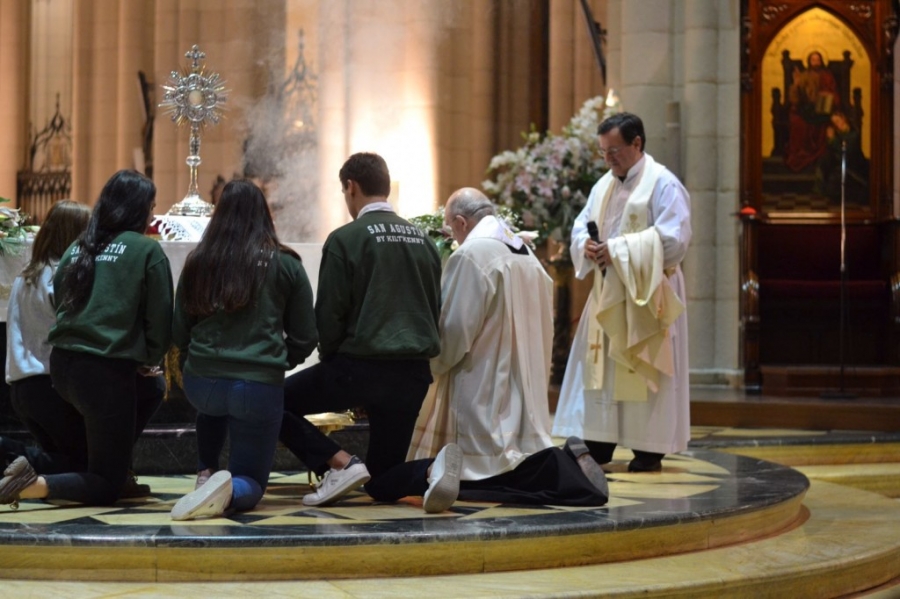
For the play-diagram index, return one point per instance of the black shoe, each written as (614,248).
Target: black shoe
(645,465)
(133,489)
(578,451)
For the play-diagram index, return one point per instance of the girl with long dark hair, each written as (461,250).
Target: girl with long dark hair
(243,316)
(113,324)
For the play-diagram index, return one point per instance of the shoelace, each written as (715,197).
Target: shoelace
(316,485)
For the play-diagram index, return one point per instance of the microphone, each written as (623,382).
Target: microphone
(594,234)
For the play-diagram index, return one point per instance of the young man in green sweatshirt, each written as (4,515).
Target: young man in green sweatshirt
(377,311)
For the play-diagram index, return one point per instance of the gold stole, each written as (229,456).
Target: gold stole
(637,362)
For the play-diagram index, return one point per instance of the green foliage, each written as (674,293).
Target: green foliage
(433,226)
(13,230)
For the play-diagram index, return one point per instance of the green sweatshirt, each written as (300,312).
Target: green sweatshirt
(379,293)
(258,342)
(129,312)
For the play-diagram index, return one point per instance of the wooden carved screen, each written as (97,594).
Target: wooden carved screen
(47,176)
(817,141)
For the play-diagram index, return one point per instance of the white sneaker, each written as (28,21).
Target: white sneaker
(337,483)
(210,500)
(443,484)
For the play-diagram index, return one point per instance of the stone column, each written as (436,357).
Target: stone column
(13,109)
(728,154)
(561,76)
(574,73)
(109,39)
(482,74)
(333,55)
(648,64)
(699,118)
(379,84)
(51,65)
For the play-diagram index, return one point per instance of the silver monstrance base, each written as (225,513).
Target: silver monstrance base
(191,205)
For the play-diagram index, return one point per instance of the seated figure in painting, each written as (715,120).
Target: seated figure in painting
(491,377)
(813,96)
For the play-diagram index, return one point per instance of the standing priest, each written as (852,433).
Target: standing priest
(627,378)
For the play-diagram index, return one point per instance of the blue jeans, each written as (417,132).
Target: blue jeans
(254,412)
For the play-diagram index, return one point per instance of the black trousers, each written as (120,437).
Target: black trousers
(115,403)
(548,477)
(55,424)
(391,392)
(602,452)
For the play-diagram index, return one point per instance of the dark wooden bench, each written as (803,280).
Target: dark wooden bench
(791,295)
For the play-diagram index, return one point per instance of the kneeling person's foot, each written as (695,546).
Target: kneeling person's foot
(133,489)
(210,500)
(203,476)
(443,483)
(337,483)
(578,450)
(17,476)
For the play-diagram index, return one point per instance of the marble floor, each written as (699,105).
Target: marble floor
(701,499)
(712,524)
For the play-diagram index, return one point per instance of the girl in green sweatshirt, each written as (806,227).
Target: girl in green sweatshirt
(113,292)
(243,316)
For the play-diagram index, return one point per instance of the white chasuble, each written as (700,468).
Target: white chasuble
(491,378)
(658,417)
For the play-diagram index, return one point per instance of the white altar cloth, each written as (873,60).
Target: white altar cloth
(11,265)
(180,228)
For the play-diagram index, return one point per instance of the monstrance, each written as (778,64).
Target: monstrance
(194,97)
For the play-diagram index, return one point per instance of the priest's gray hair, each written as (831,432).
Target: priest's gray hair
(469,203)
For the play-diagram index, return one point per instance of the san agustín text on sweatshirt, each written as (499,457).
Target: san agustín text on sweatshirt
(379,292)
(129,312)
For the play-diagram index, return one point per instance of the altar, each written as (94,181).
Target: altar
(11,264)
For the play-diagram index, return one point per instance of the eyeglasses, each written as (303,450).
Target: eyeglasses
(611,152)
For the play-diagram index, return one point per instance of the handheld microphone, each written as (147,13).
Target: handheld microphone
(593,232)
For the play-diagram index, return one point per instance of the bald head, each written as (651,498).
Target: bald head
(464,209)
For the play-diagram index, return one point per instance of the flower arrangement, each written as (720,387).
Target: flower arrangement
(547,180)
(13,230)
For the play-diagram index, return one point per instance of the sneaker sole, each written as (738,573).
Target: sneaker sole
(17,476)
(312,500)
(208,500)
(441,495)
(577,448)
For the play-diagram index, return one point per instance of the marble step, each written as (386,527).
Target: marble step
(846,546)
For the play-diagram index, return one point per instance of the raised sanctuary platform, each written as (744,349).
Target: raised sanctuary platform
(711,525)
(702,500)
